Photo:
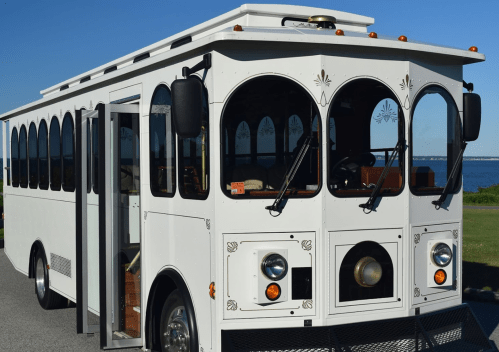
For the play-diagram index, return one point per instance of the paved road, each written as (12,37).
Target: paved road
(25,326)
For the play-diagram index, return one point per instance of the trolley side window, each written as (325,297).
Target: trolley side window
(436,140)
(366,124)
(194,161)
(33,156)
(68,176)
(162,144)
(43,155)
(15,158)
(55,154)
(265,125)
(23,158)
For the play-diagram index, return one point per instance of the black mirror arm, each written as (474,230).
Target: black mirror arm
(468,86)
(205,64)
(438,203)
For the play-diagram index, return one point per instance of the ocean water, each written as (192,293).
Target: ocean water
(476,173)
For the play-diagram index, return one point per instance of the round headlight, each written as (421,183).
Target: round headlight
(274,266)
(441,254)
(367,272)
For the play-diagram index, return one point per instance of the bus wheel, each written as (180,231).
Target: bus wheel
(47,298)
(174,326)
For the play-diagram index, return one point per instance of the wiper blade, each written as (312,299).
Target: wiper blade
(290,175)
(438,203)
(375,193)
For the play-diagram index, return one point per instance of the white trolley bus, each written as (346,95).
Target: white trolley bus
(252,184)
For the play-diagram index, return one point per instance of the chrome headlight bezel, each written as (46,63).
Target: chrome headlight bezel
(270,259)
(437,251)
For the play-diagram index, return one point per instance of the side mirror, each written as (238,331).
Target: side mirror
(472,116)
(187,106)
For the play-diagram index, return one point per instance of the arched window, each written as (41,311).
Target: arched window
(68,170)
(55,154)
(162,144)
(270,107)
(435,142)
(23,158)
(14,147)
(364,131)
(265,143)
(43,158)
(33,156)
(194,160)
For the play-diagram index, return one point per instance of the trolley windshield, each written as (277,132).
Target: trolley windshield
(265,123)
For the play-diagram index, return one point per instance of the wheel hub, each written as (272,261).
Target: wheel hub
(177,332)
(40,278)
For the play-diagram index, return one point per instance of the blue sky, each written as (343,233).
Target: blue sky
(43,43)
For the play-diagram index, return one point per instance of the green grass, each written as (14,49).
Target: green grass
(484,196)
(1,234)
(481,249)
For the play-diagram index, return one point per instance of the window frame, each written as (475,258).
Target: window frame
(174,146)
(23,185)
(40,185)
(13,183)
(400,132)
(222,128)
(179,160)
(65,187)
(458,185)
(33,185)
(54,186)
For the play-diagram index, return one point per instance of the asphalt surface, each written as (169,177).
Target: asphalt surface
(25,326)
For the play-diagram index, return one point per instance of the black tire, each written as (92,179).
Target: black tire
(174,328)
(47,298)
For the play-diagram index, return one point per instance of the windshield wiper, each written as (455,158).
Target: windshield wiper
(438,203)
(375,193)
(290,175)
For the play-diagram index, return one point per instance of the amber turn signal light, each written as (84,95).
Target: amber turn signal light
(373,35)
(440,277)
(212,290)
(273,292)
(403,38)
(340,32)
(238,28)
(474,49)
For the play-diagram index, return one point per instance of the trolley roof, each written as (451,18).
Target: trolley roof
(260,23)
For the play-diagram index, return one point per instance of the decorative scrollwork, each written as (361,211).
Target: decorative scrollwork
(306,245)
(307,304)
(455,233)
(208,224)
(406,84)
(231,305)
(417,238)
(323,79)
(231,247)
(417,292)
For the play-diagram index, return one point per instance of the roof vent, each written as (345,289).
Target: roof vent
(110,69)
(84,79)
(141,57)
(323,22)
(66,86)
(181,42)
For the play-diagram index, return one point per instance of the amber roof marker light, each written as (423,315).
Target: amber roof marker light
(238,28)
(403,38)
(474,49)
(373,35)
(340,32)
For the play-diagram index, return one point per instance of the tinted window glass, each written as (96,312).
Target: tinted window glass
(436,140)
(68,176)
(95,154)
(33,156)
(7,144)
(162,144)
(23,158)
(365,125)
(267,121)
(15,158)
(194,160)
(55,154)
(89,157)
(43,160)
